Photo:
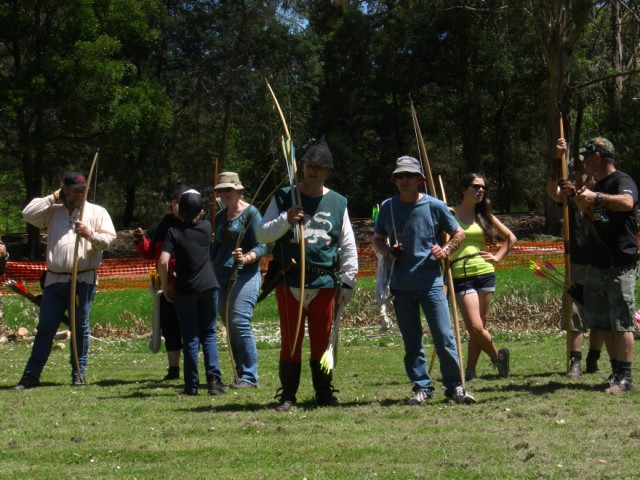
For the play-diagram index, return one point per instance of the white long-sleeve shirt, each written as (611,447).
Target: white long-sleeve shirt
(55,217)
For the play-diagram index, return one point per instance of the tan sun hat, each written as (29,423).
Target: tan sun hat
(229,180)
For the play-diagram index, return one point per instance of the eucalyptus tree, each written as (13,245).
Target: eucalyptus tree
(583,44)
(56,72)
(469,69)
(216,56)
(139,112)
(479,99)
(606,79)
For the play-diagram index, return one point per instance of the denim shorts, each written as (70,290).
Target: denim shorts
(609,298)
(478,283)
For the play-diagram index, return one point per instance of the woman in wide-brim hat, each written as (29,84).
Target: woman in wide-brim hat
(236,257)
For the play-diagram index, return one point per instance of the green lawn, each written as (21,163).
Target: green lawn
(128,424)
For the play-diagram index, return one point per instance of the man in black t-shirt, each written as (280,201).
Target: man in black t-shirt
(611,209)
(557,188)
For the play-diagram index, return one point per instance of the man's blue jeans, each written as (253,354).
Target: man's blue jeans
(197,317)
(54,305)
(433,301)
(242,301)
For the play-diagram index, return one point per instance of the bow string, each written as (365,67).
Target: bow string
(288,150)
(73,301)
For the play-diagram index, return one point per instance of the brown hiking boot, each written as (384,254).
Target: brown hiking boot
(575,371)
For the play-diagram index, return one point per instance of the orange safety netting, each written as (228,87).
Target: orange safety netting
(122,273)
(520,256)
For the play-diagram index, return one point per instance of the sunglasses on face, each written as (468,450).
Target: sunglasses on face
(224,190)
(478,187)
(402,175)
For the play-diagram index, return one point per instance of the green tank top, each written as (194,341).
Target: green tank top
(465,261)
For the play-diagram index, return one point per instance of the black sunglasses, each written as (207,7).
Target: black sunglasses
(592,147)
(405,175)
(224,190)
(477,187)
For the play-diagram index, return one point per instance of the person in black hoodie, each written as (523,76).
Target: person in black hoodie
(195,291)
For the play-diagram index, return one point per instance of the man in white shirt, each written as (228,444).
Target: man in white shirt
(59,213)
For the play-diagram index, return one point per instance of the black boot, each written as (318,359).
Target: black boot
(290,380)
(322,385)
(173,373)
(214,385)
(592,361)
(27,381)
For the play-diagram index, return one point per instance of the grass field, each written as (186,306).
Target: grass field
(128,424)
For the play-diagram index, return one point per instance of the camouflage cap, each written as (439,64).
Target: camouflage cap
(600,145)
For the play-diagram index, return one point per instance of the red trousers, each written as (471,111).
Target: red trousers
(319,315)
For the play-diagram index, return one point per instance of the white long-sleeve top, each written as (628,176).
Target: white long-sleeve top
(55,217)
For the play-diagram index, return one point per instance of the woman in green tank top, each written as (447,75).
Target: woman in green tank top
(474,273)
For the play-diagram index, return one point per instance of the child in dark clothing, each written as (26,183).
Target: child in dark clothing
(195,291)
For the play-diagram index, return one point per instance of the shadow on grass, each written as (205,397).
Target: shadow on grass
(42,385)
(308,405)
(552,387)
(538,385)
(143,383)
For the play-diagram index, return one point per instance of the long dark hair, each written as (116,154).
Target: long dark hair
(483,208)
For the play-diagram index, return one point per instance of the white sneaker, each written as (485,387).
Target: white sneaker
(459,395)
(421,396)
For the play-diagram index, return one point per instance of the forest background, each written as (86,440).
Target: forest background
(163,88)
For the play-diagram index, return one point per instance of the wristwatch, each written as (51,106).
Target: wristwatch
(598,199)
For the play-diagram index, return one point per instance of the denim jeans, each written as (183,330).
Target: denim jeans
(54,305)
(242,301)
(197,317)
(434,305)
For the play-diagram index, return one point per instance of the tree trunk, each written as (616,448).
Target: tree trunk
(32,172)
(129,205)
(614,87)
(559,25)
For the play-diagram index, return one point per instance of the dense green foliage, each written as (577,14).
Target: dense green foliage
(164,87)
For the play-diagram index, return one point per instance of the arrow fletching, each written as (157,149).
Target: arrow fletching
(327,362)
(17,287)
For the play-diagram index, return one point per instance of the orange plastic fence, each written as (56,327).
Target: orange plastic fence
(125,273)
(520,256)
